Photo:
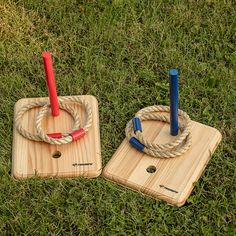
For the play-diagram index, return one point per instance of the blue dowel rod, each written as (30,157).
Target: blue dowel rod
(174,100)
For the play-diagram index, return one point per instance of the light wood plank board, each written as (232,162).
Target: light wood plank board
(174,178)
(79,158)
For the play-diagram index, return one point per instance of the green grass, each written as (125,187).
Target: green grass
(120,51)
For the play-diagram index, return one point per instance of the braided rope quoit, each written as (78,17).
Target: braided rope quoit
(64,102)
(176,148)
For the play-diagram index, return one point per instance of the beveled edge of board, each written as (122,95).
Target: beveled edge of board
(18,102)
(182,200)
(153,194)
(91,174)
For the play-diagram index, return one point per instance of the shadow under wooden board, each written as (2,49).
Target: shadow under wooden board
(79,158)
(171,180)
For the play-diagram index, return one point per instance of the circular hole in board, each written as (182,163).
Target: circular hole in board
(151,169)
(56,154)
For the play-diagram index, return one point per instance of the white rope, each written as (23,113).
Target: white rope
(169,150)
(65,104)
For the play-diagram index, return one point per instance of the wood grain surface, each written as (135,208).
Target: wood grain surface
(174,178)
(79,158)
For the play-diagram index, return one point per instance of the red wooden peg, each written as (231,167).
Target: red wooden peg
(47,59)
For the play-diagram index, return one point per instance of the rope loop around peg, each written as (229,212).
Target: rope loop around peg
(65,103)
(159,113)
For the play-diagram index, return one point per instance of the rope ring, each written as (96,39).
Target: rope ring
(77,131)
(168,150)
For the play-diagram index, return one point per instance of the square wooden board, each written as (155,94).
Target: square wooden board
(79,158)
(174,178)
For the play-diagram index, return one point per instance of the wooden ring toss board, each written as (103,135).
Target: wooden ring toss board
(79,158)
(171,180)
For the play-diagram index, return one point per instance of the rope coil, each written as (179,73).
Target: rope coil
(176,148)
(76,132)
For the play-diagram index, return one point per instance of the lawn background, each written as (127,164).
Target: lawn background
(120,52)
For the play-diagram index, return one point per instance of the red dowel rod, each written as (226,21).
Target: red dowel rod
(47,59)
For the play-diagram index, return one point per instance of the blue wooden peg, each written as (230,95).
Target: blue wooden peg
(174,100)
